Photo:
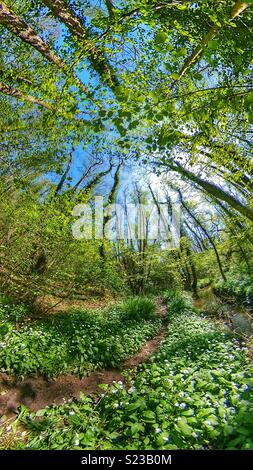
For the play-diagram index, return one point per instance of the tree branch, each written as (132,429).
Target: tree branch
(63,11)
(237,9)
(20,28)
(10,91)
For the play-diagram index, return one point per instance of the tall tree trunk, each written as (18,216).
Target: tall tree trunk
(65,174)
(194,284)
(242,251)
(186,207)
(185,272)
(237,9)
(215,191)
(192,273)
(111,200)
(95,181)
(110,7)
(196,237)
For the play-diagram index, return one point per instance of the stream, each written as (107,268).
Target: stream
(240,318)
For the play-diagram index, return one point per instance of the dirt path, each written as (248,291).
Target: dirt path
(36,393)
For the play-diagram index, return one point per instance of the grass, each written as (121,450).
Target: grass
(138,308)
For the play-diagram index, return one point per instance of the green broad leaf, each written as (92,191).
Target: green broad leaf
(167,66)
(122,91)
(222,412)
(250,117)
(154,97)
(134,124)
(175,76)
(189,412)
(211,420)
(183,7)
(249,98)
(160,37)
(184,427)
(163,140)
(182,52)
(213,45)
(243,430)
(136,428)
(198,76)
(41,412)
(135,406)
(114,435)
(159,117)
(102,113)
(149,417)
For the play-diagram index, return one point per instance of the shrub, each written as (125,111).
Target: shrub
(138,308)
(205,282)
(170,294)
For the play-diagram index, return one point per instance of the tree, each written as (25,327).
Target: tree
(21,29)
(212,243)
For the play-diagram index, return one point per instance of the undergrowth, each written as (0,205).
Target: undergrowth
(76,342)
(194,393)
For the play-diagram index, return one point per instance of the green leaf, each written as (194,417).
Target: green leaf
(250,117)
(149,417)
(183,426)
(160,37)
(249,98)
(134,406)
(175,76)
(213,45)
(189,412)
(182,52)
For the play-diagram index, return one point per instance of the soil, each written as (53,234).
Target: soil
(36,393)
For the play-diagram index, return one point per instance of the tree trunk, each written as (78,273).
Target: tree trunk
(206,234)
(111,200)
(63,11)
(64,176)
(215,191)
(237,9)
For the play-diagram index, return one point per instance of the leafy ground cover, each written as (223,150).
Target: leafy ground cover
(195,392)
(77,342)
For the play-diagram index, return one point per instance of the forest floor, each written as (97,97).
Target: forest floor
(49,305)
(36,392)
(195,369)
